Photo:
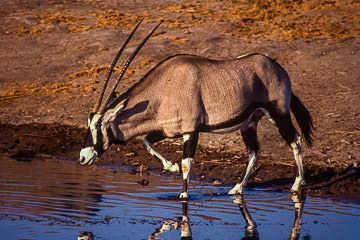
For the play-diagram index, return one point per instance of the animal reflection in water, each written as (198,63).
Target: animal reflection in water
(86,236)
(250,228)
(165,226)
(184,223)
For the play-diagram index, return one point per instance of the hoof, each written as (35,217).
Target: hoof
(184,195)
(174,168)
(238,189)
(234,192)
(296,188)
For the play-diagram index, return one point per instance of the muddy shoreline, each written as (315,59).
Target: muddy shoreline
(213,165)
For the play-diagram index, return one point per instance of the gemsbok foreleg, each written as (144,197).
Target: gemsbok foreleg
(148,141)
(252,145)
(190,143)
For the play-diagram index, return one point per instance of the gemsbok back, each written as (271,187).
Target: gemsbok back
(185,95)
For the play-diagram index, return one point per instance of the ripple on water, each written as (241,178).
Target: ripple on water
(44,199)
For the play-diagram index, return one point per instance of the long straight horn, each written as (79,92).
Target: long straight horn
(103,88)
(125,68)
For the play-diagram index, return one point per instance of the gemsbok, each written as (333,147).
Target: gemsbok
(185,95)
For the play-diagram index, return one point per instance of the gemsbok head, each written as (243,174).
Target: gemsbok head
(185,95)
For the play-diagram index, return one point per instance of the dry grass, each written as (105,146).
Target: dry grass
(251,20)
(36,89)
(280,20)
(96,70)
(115,18)
(289,20)
(58,18)
(15,91)
(175,39)
(43,19)
(25,30)
(72,23)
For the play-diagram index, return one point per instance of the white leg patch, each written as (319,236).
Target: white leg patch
(297,184)
(186,137)
(169,166)
(186,167)
(238,189)
(185,228)
(184,195)
(296,146)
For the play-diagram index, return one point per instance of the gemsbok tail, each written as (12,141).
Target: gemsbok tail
(303,118)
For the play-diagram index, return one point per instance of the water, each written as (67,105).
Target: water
(47,199)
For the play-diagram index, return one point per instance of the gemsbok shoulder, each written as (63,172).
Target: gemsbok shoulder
(185,95)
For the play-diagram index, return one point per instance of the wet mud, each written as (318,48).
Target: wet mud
(217,166)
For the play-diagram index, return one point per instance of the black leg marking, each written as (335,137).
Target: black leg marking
(190,144)
(252,144)
(291,136)
(249,135)
(155,137)
(250,138)
(285,126)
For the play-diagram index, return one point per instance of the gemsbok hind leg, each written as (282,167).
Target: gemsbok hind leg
(291,136)
(300,179)
(252,145)
(148,141)
(190,143)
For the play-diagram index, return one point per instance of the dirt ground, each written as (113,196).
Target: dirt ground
(55,54)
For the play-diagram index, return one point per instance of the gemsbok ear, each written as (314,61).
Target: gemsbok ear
(113,113)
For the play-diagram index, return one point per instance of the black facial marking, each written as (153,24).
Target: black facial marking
(91,116)
(100,139)
(88,141)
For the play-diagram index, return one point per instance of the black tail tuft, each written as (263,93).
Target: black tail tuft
(303,118)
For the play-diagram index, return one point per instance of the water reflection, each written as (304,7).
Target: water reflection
(47,188)
(298,200)
(184,223)
(43,198)
(86,236)
(251,232)
(251,227)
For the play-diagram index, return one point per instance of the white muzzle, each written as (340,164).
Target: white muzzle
(88,156)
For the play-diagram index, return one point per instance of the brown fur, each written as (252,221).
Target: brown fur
(187,93)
